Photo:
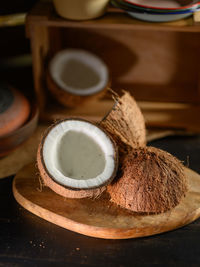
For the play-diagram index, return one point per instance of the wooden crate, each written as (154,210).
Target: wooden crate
(157,62)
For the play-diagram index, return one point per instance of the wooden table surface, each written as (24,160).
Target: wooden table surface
(27,240)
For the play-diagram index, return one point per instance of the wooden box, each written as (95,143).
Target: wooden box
(159,63)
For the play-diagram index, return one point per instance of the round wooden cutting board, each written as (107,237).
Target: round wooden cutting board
(99,217)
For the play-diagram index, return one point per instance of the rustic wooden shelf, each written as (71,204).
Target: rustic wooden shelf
(156,62)
(44,14)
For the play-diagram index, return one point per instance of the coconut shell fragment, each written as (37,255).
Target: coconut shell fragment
(125,122)
(151,181)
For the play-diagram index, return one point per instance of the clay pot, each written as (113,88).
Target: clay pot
(14,109)
(18,120)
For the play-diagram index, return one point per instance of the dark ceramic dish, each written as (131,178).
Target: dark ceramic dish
(11,141)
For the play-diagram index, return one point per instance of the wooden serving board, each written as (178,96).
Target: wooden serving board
(99,217)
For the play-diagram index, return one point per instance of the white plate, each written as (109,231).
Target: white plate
(156,3)
(158,17)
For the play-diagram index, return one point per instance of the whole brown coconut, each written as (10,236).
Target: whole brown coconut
(151,181)
(125,123)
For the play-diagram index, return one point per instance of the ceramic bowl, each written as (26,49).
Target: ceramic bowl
(152,16)
(162,11)
(14,109)
(158,17)
(12,140)
(80,9)
(129,7)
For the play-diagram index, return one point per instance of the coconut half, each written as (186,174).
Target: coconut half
(77,159)
(125,122)
(75,76)
(151,181)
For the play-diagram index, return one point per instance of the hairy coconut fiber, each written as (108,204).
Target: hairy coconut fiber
(151,181)
(125,123)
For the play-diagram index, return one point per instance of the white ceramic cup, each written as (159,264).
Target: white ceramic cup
(80,9)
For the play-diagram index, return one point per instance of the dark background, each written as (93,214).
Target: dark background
(14,46)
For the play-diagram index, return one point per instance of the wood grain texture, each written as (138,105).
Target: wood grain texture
(156,114)
(12,163)
(100,218)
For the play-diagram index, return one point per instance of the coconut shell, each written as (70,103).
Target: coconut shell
(68,99)
(125,123)
(62,190)
(151,181)
(65,191)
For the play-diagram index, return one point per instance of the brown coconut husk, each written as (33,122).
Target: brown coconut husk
(125,123)
(68,99)
(65,191)
(151,181)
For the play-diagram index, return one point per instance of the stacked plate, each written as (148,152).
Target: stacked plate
(158,11)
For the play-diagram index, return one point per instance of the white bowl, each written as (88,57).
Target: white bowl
(158,17)
(80,9)
(165,5)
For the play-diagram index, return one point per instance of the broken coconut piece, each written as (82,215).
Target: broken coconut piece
(125,122)
(76,159)
(75,76)
(151,181)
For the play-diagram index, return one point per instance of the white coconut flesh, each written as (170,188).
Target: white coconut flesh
(79,72)
(78,154)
